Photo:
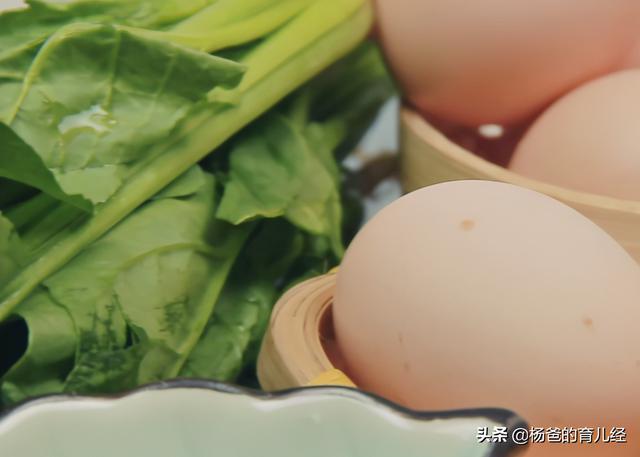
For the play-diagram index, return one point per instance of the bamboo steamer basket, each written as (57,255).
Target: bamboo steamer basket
(428,157)
(294,350)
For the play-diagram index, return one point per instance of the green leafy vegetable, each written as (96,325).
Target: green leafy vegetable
(284,166)
(48,357)
(280,169)
(301,48)
(92,119)
(123,261)
(13,192)
(19,162)
(11,250)
(23,32)
(232,337)
(341,101)
(139,298)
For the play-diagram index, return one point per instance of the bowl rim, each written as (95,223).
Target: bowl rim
(411,120)
(501,416)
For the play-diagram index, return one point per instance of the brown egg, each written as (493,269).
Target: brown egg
(633,58)
(498,61)
(588,140)
(480,294)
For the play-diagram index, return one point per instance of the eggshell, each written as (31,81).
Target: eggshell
(589,140)
(482,294)
(498,61)
(633,58)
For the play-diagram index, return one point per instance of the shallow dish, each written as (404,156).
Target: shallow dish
(198,419)
(428,157)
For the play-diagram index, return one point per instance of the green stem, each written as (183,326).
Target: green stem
(50,228)
(325,32)
(31,211)
(230,23)
(41,221)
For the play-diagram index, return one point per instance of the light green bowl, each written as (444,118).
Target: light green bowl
(203,419)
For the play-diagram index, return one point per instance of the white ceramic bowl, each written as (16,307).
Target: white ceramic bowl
(205,419)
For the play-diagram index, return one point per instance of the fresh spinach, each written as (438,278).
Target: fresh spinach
(123,261)
(299,49)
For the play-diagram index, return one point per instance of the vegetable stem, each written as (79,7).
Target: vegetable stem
(231,23)
(30,211)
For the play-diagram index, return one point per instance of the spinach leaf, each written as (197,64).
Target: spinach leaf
(187,184)
(300,48)
(273,250)
(48,358)
(283,170)
(236,328)
(97,96)
(12,193)
(22,32)
(42,364)
(232,340)
(19,162)
(285,165)
(349,95)
(148,283)
(11,250)
(42,221)
(140,297)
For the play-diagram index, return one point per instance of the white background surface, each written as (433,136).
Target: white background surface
(382,138)
(10,4)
